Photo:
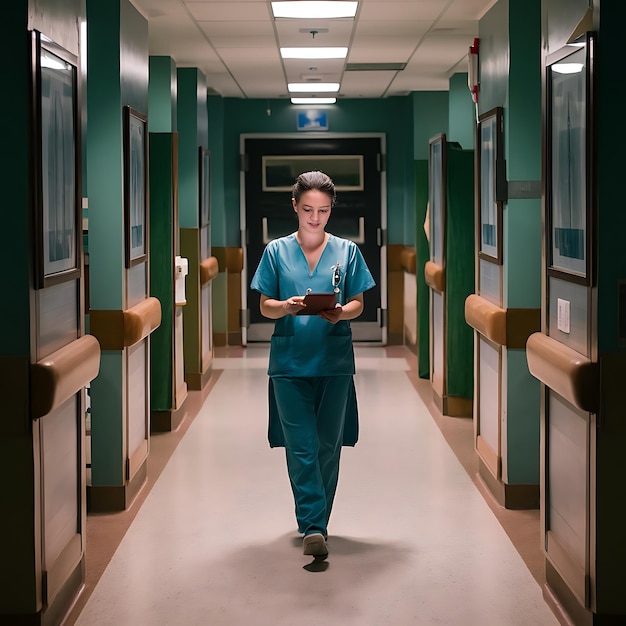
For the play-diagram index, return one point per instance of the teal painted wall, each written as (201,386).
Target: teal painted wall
(104,155)
(522,132)
(430,115)
(392,116)
(215,107)
(116,31)
(192,116)
(510,77)
(494,57)
(461,112)
(162,94)
(522,433)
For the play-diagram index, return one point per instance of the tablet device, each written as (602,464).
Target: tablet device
(316,302)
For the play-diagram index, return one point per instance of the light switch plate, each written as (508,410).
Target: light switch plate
(563,315)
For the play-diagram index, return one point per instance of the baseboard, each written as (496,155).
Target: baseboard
(197,381)
(60,607)
(115,498)
(167,421)
(513,497)
(453,406)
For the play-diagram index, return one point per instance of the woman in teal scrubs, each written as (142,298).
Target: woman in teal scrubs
(312,399)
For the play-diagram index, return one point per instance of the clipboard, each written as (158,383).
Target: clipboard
(316,302)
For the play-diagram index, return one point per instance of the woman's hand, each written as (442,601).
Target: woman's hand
(294,305)
(332,315)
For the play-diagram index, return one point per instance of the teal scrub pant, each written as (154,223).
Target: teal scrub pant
(312,415)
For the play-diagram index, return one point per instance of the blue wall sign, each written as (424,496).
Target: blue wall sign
(312,119)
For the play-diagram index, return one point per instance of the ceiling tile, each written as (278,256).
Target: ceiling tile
(236,43)
(366,84)
(228,11)
(415,10)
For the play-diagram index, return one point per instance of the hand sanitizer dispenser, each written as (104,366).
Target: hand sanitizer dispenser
(181,270)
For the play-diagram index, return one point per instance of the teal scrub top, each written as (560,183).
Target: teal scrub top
(308,345)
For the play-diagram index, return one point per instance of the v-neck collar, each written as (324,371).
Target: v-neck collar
(313,272)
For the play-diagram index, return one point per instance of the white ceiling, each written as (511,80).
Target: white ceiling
(235,43)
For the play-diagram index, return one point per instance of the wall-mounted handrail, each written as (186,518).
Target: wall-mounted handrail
(209,269)
(408,258)
(116,330)
(435,276)
(141,320)
(63,373)
(567,372)
(487,318)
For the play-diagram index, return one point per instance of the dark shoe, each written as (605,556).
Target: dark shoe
(315,545)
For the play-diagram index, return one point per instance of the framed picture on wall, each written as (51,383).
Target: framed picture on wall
(205,186)
(57,205)
(437,198)
(490,185)
(135,186)
(568,176)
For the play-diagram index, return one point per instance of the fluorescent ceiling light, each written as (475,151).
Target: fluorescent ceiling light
(313,87)
(313,100)
(314,10)
(314,53)
(567,68)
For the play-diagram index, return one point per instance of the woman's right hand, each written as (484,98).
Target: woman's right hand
(294,305)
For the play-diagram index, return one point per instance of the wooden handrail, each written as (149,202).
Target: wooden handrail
(209,269)
(487,318)
(435,276)
(569,373)
(63,373)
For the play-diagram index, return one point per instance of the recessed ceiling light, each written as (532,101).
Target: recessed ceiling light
(304,9)
(313,87)
(314,53)
(313,100)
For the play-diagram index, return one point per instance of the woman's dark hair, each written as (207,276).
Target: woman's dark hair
(319,181)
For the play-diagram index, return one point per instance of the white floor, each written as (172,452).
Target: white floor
(411,540)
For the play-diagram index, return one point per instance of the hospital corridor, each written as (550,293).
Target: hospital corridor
(414,538)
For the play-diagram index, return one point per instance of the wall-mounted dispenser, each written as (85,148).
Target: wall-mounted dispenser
(181,270)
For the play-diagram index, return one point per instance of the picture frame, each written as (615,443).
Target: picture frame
(57,178)
(135,186)
(437,197)
(204,162)
(490,185)
(568,178)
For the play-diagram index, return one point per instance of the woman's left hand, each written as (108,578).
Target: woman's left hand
(332,315)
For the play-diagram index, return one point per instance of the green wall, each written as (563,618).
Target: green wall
(494,57)
(215,106)
(510,77)
(192,133)
(461,112)
(392,116)
(118,76)
(162,95)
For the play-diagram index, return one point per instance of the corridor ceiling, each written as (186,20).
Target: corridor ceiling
(236,44)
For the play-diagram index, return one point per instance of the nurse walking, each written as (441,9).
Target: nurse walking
(312,400)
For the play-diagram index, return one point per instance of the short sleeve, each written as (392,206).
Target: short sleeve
(358,276)
(265,279)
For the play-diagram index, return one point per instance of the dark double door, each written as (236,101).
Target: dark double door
(271,166)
